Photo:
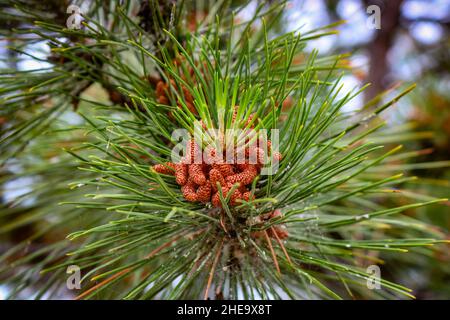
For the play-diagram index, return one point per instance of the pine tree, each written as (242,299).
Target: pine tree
(92,133)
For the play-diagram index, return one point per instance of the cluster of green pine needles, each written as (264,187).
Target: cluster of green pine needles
(129,228)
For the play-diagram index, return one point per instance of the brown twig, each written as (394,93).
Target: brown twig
(269,243)
(222,224)
(281,245)
(101,284)
(213,267)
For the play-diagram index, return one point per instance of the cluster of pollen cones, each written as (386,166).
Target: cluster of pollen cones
(200,180)
(162,95)
(164,92)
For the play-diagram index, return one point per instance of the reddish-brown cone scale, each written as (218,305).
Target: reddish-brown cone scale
(164,93)
(196,172)
(277,231)
(181,173)
(216,177)
(245,177)
(224,168)
(189,191)
(204,193)
(167,168)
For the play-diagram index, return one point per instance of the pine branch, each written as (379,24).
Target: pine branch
(106,191)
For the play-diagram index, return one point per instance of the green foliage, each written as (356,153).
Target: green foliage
(96,202)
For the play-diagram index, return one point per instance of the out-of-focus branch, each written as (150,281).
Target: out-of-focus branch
(379,48)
